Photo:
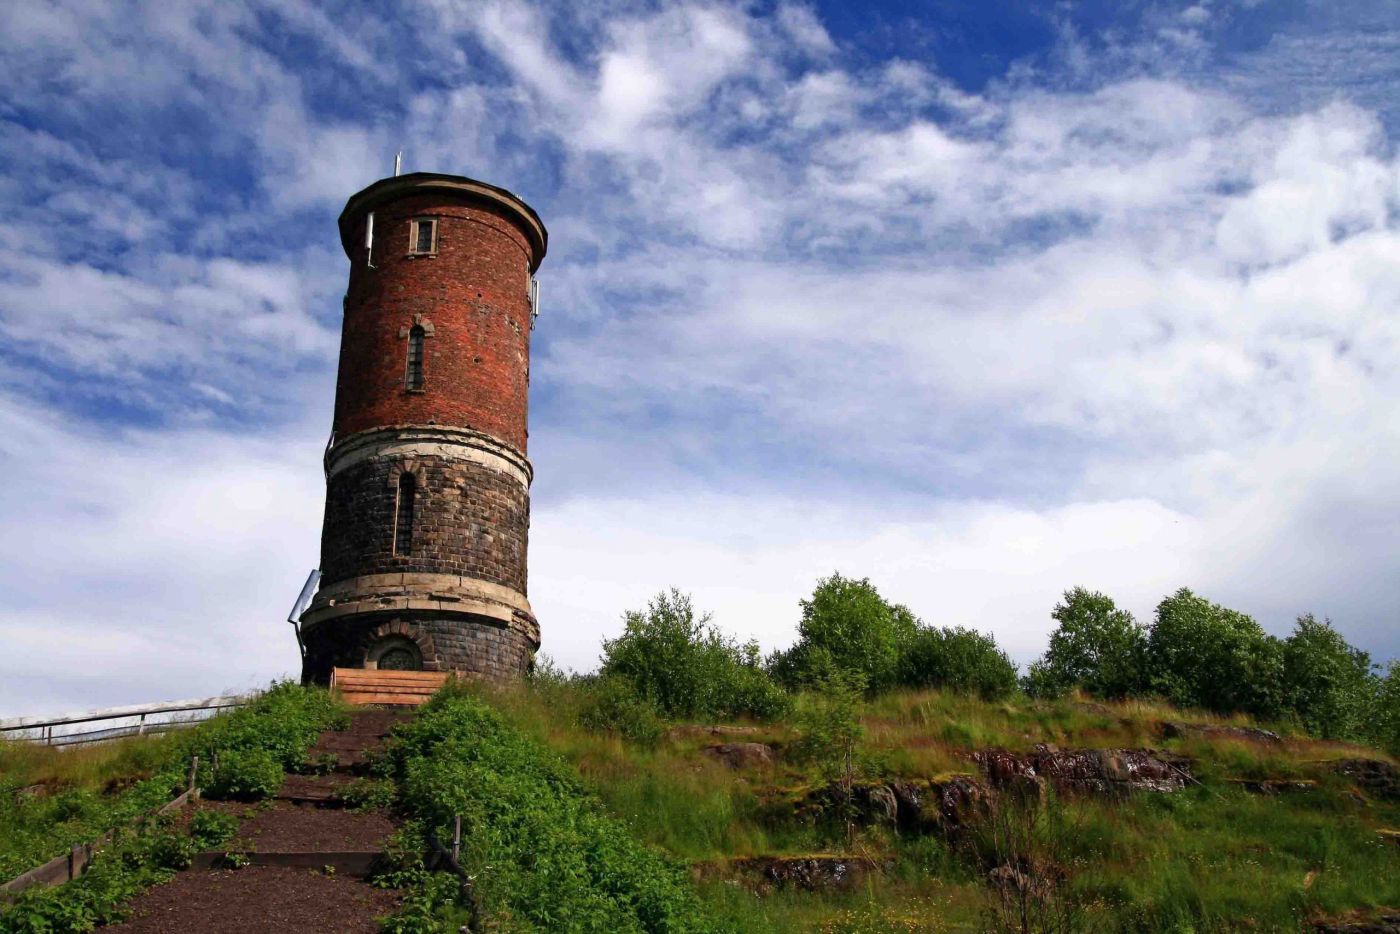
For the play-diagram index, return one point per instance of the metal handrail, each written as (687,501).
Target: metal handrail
(44,726)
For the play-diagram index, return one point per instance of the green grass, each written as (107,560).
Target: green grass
(51,799)
(1210,858)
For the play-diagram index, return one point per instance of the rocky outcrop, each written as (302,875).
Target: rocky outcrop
(1174,729)
(1387,923)
(940,805)
(1273,786)
(1376,778)
(719,731)
(741,755)
(1093,771)
(809,873)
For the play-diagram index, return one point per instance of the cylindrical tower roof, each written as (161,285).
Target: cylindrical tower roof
(437,184)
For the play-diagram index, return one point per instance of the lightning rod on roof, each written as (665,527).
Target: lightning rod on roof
(398,162)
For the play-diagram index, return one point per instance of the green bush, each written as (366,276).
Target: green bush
(285,721)
(245,775)
(1328,684)
(211,828)
(956,659)
(1096,646)
(116,874)
(1203,655)
(252,744)
(612,705)
(846,626)
(685,667)
(1383,720)
(541,852)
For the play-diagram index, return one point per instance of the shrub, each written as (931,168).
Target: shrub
(846,625)
(285,721)
(612,705)
(1204,655)
(245,775)
(96,898)
(211,828)
(685,667)
(957,659)
(1096,646)
(1383,721)
(1327,682)
(541,852)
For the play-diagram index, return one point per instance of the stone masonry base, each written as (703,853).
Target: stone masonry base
(473,647)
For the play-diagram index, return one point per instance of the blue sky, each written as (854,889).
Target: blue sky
(983,301)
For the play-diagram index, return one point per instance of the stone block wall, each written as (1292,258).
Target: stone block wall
(468,520)
(471,648)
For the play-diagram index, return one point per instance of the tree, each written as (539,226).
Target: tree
(686,667)
(957,659)
(1327,682)
(829,730)
(1096,646)
(1201,654)
(1383,720)
(846,626)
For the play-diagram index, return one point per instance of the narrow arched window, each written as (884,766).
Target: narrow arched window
(403,513)
(414,378)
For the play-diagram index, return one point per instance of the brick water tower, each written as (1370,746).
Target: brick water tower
(427,482)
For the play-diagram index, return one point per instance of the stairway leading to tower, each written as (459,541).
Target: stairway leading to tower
(304,855)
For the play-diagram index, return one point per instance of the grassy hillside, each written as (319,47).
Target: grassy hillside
(1265,835)
(738,825)
(52,798)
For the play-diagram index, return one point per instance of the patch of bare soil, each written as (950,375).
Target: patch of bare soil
(292,828)
(258,898)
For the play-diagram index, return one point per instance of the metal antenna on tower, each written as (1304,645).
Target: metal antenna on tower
(398,162)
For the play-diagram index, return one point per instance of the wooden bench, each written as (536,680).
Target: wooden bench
(377,686)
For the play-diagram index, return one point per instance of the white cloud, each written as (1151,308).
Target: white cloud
(1107,320)
(149,565)
(750,559)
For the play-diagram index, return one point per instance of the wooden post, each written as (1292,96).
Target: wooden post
(194,771)
(141,726)
(457,837)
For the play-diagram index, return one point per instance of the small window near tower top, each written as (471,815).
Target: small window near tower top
(422,236)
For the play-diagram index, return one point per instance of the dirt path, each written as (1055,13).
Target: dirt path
(305,826)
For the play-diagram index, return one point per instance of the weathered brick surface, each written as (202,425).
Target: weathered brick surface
(475,294)
(470,647)
(468,519)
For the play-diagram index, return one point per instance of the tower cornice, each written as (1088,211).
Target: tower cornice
(456,186)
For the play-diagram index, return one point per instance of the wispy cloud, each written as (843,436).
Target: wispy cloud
(1123,315)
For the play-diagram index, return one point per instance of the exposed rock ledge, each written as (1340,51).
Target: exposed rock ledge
(1095,771)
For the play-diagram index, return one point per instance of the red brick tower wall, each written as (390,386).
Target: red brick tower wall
(475,292)
(439,584)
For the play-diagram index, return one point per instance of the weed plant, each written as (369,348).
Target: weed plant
(103,790)
(540,850)
(136,860)
(1210,858)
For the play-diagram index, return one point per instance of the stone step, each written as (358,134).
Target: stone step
(315,789)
